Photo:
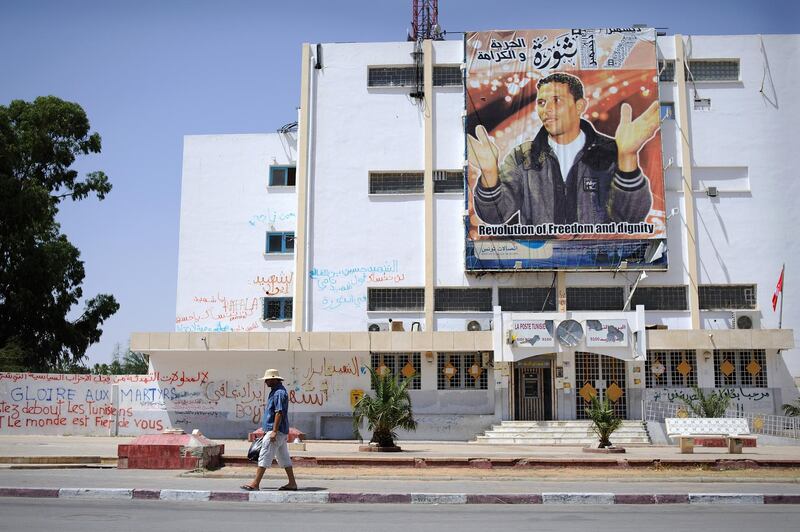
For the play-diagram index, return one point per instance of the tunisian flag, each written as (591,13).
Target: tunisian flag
(778,291)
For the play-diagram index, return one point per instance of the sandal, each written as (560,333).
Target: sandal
(287,488)
(248,487)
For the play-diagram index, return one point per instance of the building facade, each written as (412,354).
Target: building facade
(339,244)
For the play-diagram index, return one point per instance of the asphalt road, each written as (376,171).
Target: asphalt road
(153,516)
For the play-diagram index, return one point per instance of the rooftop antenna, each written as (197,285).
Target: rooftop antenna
(425,21)
(424,25)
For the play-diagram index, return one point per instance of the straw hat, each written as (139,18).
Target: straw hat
(272,374)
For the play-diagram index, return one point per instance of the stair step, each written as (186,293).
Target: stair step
(564,432)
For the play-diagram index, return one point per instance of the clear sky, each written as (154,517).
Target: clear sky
(149,72)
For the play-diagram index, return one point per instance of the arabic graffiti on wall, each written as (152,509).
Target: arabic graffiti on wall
(32,403)
(347,286)
(747,399)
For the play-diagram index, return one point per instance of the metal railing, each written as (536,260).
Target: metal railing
(767,424)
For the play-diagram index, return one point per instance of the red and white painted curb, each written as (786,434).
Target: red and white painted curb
(326,497)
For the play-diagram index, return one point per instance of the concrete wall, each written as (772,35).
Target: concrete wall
(227,208)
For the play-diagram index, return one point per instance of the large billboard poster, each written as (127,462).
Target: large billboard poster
(564,150)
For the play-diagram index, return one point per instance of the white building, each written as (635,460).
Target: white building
(293,244)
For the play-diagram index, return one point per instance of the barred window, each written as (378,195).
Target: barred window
(463,299)
(595,298)
(701,70)
(527,299)
(277,308)
(406,76)
(744,368)
(448,181)
(660,297)
(393,299)
(671,369)
(391,76)
(396,182)
(713,70)
(400,364)
(727,296)
(447,76)
(414,182)
(458,371)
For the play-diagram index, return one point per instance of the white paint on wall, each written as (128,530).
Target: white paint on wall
(227,208)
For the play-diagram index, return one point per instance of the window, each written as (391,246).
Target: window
(713,70)
(667,111)
(463,299)
(400,364)
(280,242)
(527,299)
(660,297)
(282,176)
(395,299)
(448,181)
(460,371)
(391,76)
(414,182)
(277,308)
(743,368)
(406,76)
(595,298)
(447,76)
(666,70)
(701,70)
(727,297)
(673,369)
(396,182)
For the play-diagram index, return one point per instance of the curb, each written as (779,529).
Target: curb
(325,497)
(468,462)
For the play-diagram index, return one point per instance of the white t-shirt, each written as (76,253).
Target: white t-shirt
(565,153)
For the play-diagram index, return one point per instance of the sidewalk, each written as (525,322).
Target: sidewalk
(83,449)
(516,475)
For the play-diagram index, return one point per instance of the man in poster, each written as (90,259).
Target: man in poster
(569,172)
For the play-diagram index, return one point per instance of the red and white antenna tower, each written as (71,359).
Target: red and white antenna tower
(425,21)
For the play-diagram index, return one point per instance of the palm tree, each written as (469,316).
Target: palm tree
(388,410)
(604,420)
(713,405)
(792,410)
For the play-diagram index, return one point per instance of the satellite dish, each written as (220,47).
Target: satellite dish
(374,327)
(474,325)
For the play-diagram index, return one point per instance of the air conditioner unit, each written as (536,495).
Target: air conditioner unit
(375,326)
(746,319)
(478,325)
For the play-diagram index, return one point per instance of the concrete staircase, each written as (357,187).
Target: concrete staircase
(576,432)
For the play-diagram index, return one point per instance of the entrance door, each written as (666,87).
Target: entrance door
(534,390)
(603,376)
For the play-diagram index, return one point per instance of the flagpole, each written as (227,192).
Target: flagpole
(783,288)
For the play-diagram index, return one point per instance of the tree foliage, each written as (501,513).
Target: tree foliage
(604,420)
(127,363)
(712,405)
(389,409)
(792,409)
(40,270)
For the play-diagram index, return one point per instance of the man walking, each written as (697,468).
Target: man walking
(276,433)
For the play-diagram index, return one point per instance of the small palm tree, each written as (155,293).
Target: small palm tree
(604,420)
(388,410)
(792,409)
(712,405)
